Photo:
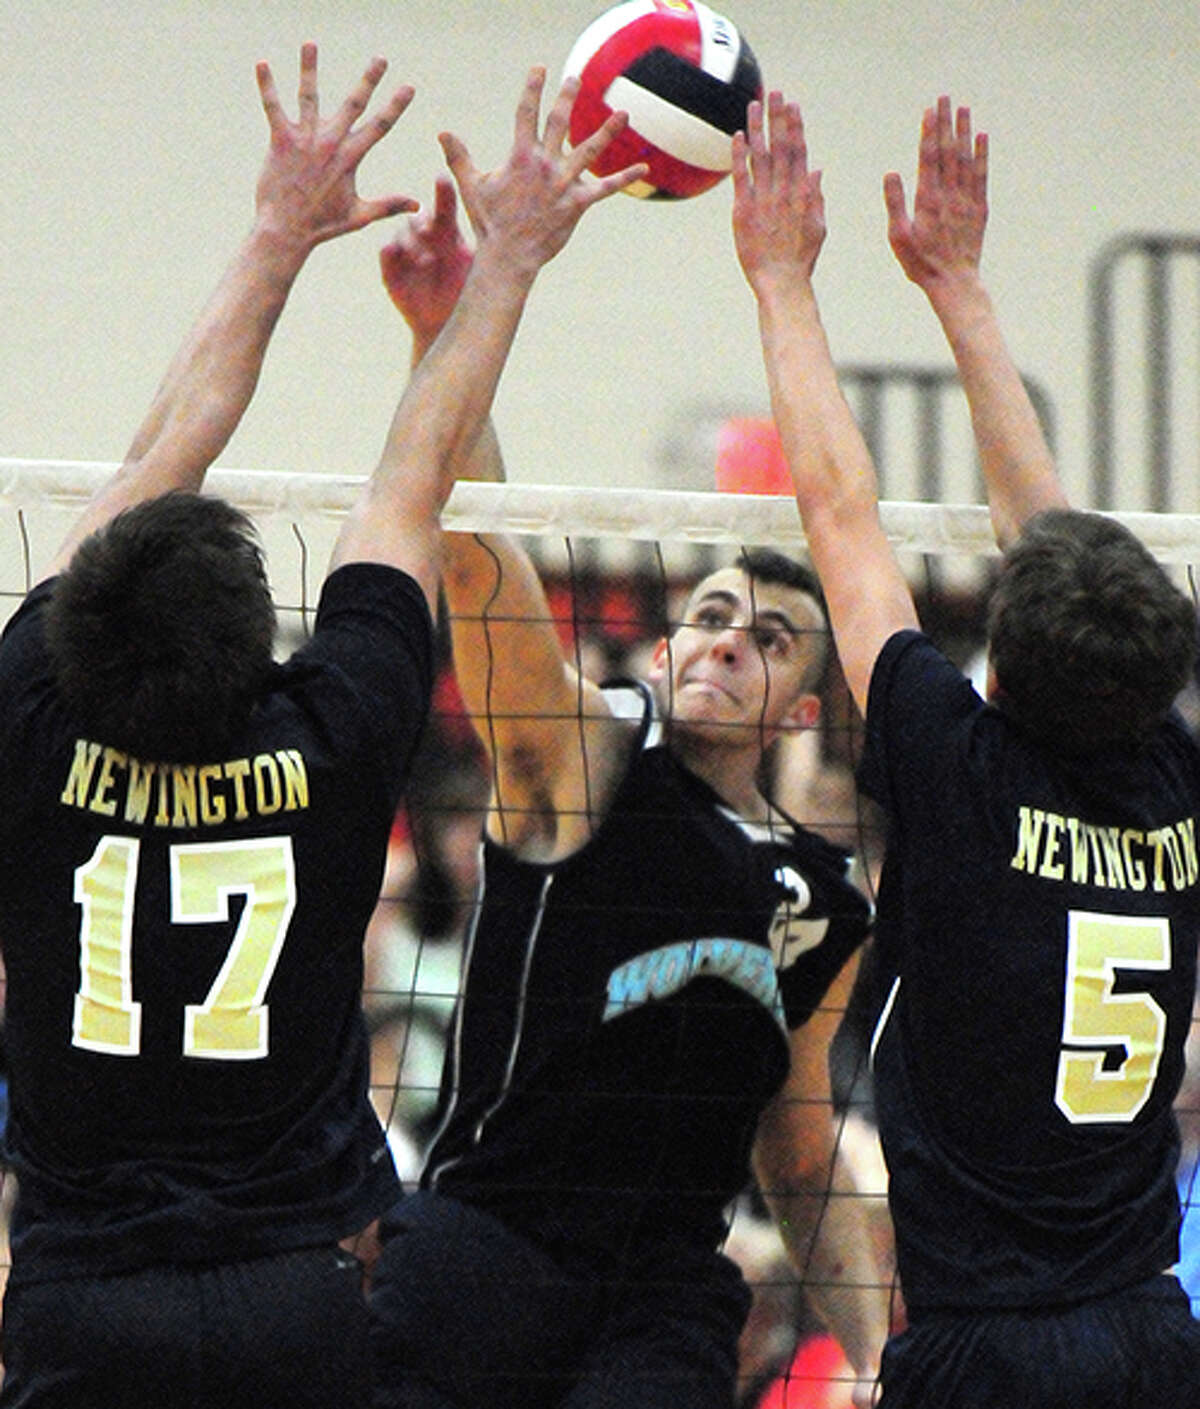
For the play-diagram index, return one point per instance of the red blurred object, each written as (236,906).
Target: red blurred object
(818,1377)
(750,458)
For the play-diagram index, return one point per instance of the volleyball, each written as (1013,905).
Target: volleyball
(683,73)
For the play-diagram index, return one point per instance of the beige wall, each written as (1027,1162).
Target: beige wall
(131,138)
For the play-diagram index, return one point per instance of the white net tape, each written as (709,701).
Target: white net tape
(646,515)
(643,515)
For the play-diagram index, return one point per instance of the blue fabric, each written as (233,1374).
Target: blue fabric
(1188,1270)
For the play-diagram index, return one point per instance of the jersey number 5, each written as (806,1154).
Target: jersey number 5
(1096,1019)
(231,1022)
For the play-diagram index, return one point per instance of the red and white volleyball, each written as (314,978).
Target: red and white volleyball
(685,76)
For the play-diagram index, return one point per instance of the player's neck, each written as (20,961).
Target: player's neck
(732,773)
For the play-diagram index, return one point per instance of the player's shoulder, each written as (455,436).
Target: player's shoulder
(365,586)
(374,622)
(28,614)
(25,668)
(912,668)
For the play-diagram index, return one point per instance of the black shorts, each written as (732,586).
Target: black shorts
(1135,1349)
(467,1312)
(283,1332)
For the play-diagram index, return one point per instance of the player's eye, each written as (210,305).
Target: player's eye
(772,640)
(711,617)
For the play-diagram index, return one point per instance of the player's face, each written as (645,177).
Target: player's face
(742,659)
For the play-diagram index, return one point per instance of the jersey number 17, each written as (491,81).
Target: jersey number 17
(231,1023)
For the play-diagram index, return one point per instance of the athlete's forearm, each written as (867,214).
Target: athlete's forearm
(1018,468)
(828,1237)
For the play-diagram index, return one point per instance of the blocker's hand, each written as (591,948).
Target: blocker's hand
(306,190)
(425,267)
(943,239)
(778,209)
(526,209)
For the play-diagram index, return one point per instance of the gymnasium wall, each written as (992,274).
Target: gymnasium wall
(131,138)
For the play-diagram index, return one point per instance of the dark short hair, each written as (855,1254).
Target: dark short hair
(160,630)
(769,565)
(1090,641)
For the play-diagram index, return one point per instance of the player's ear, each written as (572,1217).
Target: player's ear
(660,661)
(805,713)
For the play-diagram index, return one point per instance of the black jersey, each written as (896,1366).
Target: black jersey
(183,945)
(1040,913)
(625,1012)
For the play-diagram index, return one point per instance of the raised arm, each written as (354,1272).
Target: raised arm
(522,213)
(550,767)
(306,194)
(424,269)
(940,247)
(779,227)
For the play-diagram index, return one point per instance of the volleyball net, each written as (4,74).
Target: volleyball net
(616,564)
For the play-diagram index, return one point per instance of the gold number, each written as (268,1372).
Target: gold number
(232,1022)
(1096,1019)
(106,1017)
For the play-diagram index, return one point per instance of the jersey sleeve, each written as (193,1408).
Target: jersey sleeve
(22,637)
(916,697)
(373,629)
(24,666)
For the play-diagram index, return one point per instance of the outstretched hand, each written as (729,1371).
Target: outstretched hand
(944,236)
(527,208)
(778,209)
(306,190)
(425,267)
